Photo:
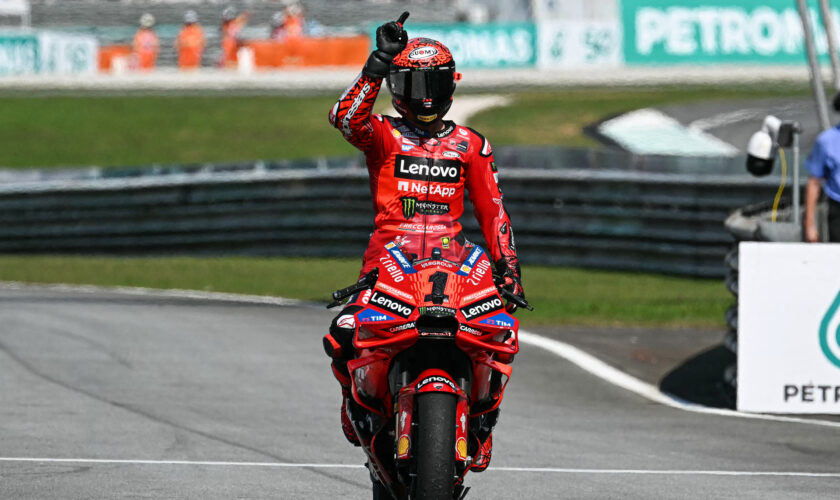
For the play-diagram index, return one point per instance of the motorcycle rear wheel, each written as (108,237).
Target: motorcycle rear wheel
(434,450)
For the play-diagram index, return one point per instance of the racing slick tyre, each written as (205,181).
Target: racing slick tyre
(435,447)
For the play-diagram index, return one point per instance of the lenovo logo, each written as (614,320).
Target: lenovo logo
(392,304)
(420,169)
(484,306)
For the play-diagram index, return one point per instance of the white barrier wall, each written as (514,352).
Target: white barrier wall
(789,328)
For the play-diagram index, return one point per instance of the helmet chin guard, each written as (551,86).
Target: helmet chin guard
(422,80)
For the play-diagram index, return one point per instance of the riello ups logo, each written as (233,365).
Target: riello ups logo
(412,206)
(830,332)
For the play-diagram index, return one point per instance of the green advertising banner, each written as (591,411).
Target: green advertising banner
(494,45)
(47,53)
(18,54)
(658,32)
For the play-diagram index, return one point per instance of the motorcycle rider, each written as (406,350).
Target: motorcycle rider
(400,154)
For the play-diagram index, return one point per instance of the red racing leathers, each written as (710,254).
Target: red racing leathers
(416,179)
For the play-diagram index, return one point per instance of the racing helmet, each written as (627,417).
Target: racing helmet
(422,80)
(190,17)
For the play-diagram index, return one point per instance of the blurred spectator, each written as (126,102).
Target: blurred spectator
(190,42)
(146,44)
(232,25)
(824,166)
(289,23)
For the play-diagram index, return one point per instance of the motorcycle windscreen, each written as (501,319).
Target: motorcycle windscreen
(433,86)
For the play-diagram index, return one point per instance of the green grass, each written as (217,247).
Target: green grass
(81,131)
(559,117)
(559,295)
(138,130)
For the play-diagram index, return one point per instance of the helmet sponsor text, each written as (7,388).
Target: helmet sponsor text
(422,53)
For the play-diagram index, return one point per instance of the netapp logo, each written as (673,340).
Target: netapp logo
(484,306)
(392,304)
(418,169)
(412,206)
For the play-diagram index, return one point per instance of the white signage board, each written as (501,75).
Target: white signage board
(789,328)
(575,44)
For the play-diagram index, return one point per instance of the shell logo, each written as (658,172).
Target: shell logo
(461,449)
(403,444)
(422,53)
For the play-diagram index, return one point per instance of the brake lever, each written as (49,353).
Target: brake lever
(365,282)
(519,301)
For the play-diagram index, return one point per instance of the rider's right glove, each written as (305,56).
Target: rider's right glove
(390,41)
(507,268)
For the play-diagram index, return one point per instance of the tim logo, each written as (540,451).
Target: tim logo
(830,323)
(419,169)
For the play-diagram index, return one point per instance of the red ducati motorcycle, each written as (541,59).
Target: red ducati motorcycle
(433,351)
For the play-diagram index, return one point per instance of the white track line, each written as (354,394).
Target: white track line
(554,470)
(568,352)
(155,292)
(618,378)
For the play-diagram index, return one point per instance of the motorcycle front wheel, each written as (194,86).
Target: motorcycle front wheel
(434,450)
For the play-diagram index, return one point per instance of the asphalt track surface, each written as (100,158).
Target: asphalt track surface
(104,395)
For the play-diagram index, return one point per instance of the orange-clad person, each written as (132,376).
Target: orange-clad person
(190,42)
(146,44)
(289,23)
(232,25)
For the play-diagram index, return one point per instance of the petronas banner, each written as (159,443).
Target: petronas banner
(665,32)
(789,328)
(493,45)
(24,52)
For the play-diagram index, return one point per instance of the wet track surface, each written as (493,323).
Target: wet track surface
(183,398)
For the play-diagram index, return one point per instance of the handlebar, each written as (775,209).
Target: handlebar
(365,282)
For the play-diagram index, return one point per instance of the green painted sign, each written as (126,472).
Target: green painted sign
(494,45)
(717,31)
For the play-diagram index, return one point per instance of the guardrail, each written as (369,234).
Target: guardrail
(652,215)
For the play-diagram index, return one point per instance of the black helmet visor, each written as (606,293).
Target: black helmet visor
(421,85)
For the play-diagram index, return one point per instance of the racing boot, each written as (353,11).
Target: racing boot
(484,454)
(346,424)
(338,345)
(340,371)
(484,438)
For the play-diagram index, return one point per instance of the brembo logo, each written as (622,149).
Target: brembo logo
(392,304)
(418,169)
(832,353)
(481,307)
(422,53)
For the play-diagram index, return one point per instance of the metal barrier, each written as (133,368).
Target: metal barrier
(640,218)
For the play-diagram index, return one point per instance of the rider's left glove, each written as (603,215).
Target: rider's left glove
(390,41)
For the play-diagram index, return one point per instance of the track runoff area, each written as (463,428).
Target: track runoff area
(117,393)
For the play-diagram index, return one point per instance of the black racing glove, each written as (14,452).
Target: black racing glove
(509,276)
(390,41)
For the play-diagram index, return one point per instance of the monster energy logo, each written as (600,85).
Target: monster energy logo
(412,206)
(825,332)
